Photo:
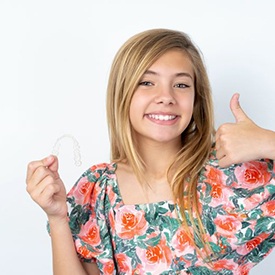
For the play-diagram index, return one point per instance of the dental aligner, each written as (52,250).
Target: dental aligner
(76,148)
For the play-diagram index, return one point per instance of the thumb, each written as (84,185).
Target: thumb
(236,108)
(51,162)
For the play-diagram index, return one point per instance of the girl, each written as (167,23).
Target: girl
(176,198)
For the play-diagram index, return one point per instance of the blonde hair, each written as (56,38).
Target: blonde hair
(131,61)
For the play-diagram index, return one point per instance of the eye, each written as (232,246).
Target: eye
(181,85)
(145,83)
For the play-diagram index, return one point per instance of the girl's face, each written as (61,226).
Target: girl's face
(162,105)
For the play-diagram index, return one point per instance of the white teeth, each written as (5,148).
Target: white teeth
(161,117)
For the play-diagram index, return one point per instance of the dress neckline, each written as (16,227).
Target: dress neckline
(118,193)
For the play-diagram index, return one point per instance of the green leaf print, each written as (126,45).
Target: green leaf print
(153,241)
(141,244)
(190,257)
(200,270)
(255,214)
(231,179)
(208,189)
(271,189)
(264,225)
(92,178)
(245,193)
(162,210)
(248,234)
(211,228)
(171,207)
(245,224)
(71,201)
(215,248)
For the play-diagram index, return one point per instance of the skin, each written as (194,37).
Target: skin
(161,92)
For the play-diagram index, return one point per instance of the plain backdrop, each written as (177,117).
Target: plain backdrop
(55,58)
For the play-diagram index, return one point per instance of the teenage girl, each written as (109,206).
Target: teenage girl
(177,197)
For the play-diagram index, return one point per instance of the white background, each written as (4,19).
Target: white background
(55,58)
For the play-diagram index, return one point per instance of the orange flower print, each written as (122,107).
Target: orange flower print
(250,245)
(219,192)
(268,208)
(155,259)
(244,269)
(220,195)
(216,192)
(82,191)
(214,175)
(124,263)
(90,233)
(182,243)
(130,222)
(100,166)
(84,252)
(252,174)
(225,264)
(227,225)
(108,267)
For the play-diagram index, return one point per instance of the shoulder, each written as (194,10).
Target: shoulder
(92,183)
(101,169)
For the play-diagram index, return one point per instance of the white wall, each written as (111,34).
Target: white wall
(54,62)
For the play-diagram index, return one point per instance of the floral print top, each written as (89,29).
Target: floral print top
(238,212)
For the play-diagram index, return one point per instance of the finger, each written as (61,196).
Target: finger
(54,165)
(38,177)
(220,153)
(217,136)
(37,190)
(32,166)
(236,109)
(46,197)
(224,162)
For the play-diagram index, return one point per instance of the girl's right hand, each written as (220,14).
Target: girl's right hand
(46,188)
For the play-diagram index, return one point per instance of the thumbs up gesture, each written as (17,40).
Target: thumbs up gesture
(243,140)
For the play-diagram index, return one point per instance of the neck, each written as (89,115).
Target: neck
(158,157)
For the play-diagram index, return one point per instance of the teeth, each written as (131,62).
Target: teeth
(162,117)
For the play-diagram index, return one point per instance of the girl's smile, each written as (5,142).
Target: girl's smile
(163,118)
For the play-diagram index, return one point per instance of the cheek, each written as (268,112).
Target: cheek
(187,105)
(137,106)
(134,111)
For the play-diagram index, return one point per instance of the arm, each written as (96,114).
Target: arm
(243,140)
(65,259)
(47,190)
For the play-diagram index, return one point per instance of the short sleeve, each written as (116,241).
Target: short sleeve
(239,208)
(88,217)
(253,186)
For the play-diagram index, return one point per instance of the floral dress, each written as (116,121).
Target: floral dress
(238,212)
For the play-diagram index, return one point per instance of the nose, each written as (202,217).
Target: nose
(165,96)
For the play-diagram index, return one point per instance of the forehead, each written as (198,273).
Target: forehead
(175,59)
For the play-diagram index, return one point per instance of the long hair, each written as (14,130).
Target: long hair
(131,61)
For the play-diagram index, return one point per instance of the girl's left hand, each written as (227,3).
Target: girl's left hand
(243,140)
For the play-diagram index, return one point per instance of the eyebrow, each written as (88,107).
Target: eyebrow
(177,74)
